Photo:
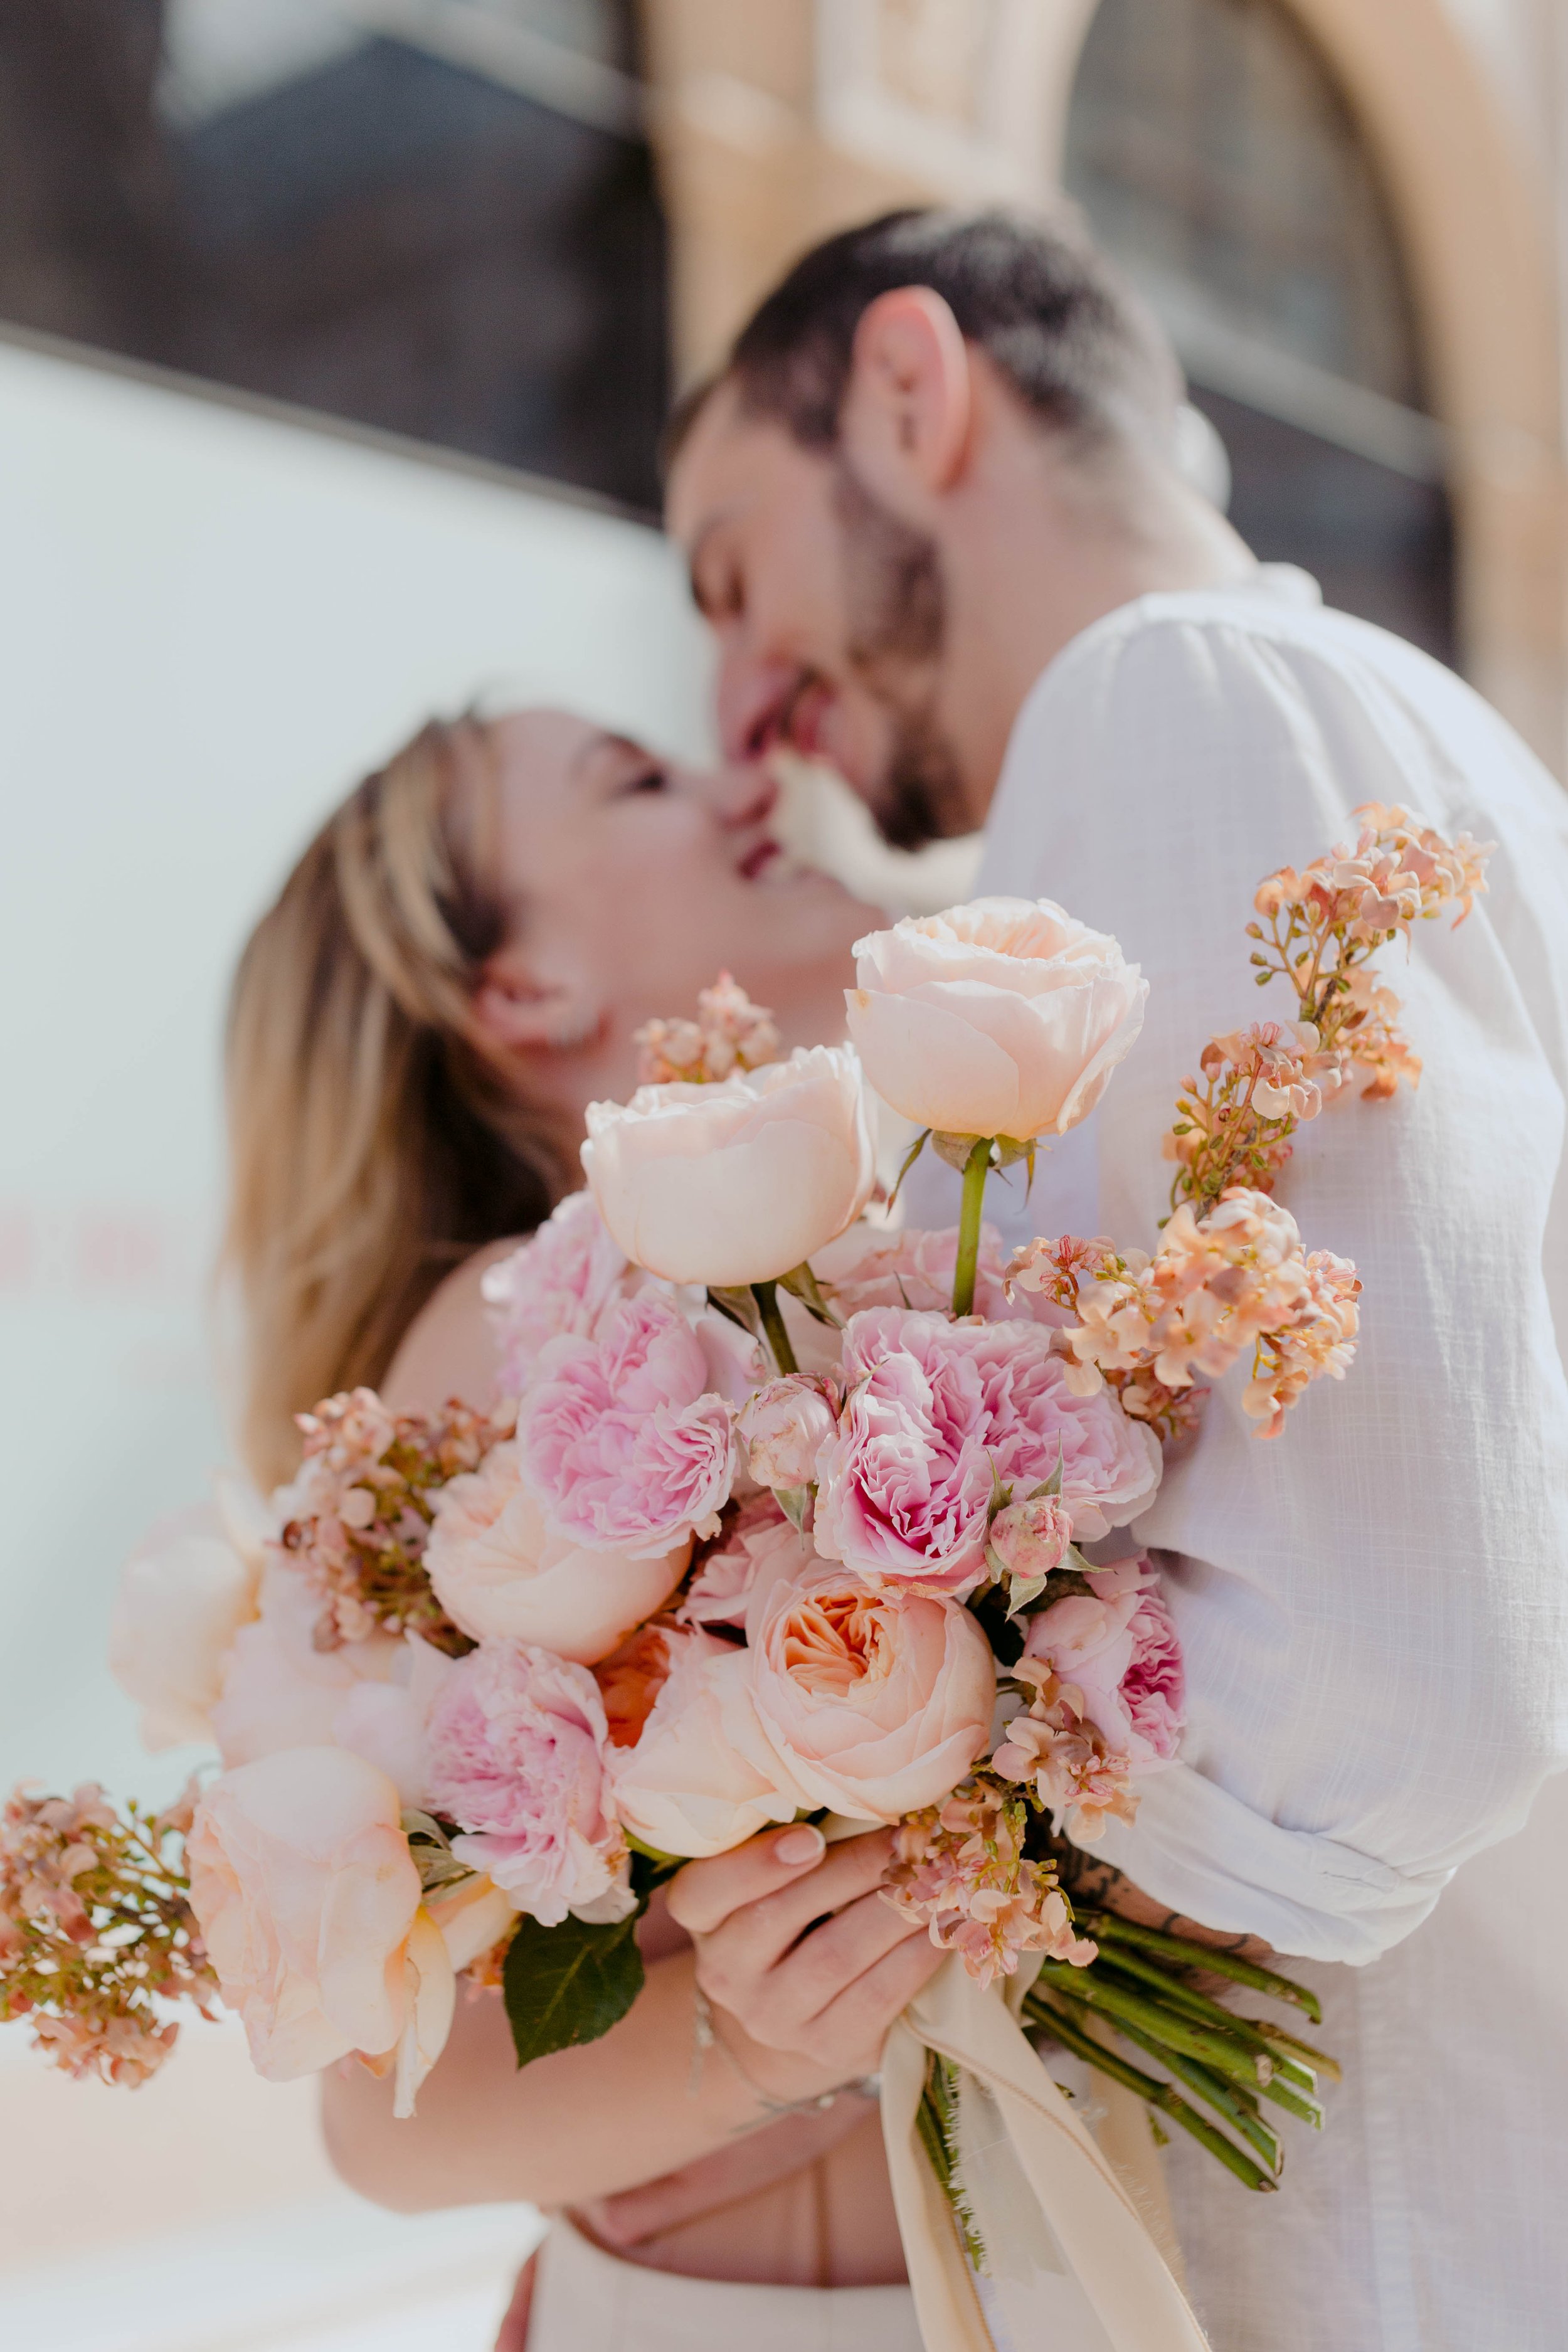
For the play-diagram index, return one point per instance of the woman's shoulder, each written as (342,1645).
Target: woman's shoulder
(449,1348)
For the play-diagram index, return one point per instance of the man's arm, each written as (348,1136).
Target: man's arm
(1092,1884)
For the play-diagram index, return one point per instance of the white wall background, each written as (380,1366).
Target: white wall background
(212,621)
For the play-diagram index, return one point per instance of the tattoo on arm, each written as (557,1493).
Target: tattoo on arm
(1091,1885)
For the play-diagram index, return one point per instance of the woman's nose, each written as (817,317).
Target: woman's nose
(752,699)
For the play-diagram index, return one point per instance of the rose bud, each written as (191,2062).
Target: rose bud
(1030,1538)
(785,1426)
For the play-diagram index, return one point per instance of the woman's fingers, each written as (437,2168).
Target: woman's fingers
(757,1936)
(859,2017)
(836,1954)
(703,1895)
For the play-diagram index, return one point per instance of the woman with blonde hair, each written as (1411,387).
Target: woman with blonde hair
(454,970)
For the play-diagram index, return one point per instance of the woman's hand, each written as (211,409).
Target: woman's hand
(807,1964)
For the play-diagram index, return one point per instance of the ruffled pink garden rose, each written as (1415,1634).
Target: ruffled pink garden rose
(1002,1017)
(1117,1648)
(873,1703)
(761,1545)
(936,1413)
(622,1439)
(689,1771)
(562,1280)
(516,1747)
(501,1575)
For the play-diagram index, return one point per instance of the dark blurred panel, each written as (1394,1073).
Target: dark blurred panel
(1381,543)
(382,235)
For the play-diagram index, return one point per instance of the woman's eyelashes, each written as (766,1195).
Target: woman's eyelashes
(649,779)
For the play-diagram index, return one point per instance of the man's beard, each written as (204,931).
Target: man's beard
(896,622)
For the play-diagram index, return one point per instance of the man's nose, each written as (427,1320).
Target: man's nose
(741,796)
(752,699)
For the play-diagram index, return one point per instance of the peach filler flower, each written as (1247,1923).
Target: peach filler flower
(564,1279)
(622,1439)
(97,1934)
(937,1414)
(960,1868)
(357,1517)
(516,1747)
(728,1034)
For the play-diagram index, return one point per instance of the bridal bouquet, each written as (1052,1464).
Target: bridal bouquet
(787,1512)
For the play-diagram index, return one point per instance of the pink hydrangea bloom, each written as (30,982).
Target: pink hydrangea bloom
(622,1438)
(563,1280)
(936,1413)
(516,1747)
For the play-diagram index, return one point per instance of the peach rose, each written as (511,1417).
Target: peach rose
(738,1181)
(873,1703)
(184,1595)
(501,1576)
(1004,1017)
(309,1902)
(698,1780)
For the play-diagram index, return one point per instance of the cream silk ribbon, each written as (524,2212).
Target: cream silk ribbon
(1073,2238)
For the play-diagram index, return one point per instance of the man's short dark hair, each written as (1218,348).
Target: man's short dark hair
(1050,313)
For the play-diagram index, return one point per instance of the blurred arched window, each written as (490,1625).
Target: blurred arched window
(1218,158)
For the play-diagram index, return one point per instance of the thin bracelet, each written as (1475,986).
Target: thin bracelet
(706,2036)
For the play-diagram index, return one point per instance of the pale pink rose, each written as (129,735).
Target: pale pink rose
(277,1689)
(690,1772)
(308,1904)
(869,1267)
(1003,1017)
(389,1723)
(517,1745)
(762,1544)
(873,1703)
(936,1413)
(184,1595)
(784,1426)
(561,1280)
(739,1181)
(1032,1536)
(500,1574)
(627,1447)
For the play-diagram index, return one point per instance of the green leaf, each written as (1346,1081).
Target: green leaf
(914,1153)
(568,1984)
(791,1501)
(802,1283)
(740,1307)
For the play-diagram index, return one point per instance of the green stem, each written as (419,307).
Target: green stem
(1110,1929)
(975,1170)
(1173,2033)
(1158,2095)
(766,1295)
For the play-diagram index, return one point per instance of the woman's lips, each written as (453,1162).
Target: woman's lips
(758,858)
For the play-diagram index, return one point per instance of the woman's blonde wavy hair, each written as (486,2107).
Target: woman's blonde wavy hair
(374,1139)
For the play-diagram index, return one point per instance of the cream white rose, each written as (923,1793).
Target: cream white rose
(699,1779)
(184,1595)
(309,1902)
(501,1576)
(736,1182)
(1003,1017)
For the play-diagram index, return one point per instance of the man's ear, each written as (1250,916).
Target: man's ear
(910,403)
(522,1012)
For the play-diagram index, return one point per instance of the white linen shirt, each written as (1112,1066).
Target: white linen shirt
(1373,1606)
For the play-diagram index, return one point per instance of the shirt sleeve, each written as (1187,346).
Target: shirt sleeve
(1373,1606)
